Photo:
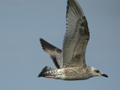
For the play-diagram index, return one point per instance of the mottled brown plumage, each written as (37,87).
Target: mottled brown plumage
(71,60)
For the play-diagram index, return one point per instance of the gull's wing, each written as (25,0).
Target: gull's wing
(76,37)
(54,52)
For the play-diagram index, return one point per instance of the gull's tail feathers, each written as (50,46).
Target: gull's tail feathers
(43,73)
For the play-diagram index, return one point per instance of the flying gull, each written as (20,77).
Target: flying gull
(70,61)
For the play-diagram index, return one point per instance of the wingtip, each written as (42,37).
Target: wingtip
(40,39)
(77,8)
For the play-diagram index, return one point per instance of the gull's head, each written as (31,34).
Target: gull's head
(96,72)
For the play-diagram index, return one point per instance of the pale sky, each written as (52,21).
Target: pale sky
(23,22)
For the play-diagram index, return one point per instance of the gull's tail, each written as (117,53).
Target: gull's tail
(43,73)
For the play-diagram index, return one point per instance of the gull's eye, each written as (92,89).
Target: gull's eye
(97,71)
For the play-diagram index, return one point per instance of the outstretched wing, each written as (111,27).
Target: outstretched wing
(76,37)
(54,52)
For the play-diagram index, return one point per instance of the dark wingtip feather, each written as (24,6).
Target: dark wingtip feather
(44,43)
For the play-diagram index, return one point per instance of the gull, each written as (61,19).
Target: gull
(70,61)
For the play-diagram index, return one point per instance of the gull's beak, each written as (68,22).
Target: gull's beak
(104,75)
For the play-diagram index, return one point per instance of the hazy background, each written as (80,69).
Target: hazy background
(23,22)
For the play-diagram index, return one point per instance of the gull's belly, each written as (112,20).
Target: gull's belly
(73,74)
